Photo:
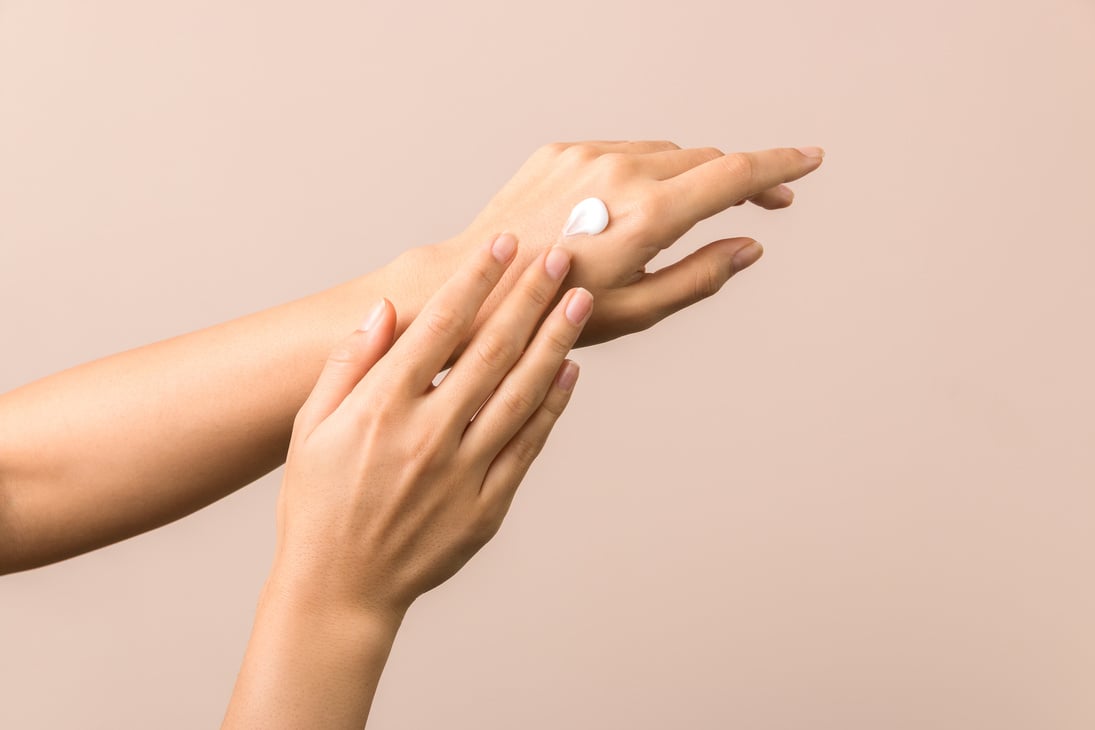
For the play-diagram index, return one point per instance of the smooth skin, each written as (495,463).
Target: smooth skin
(391,485)
(124,444)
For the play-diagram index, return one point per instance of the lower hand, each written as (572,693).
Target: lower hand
(393,483)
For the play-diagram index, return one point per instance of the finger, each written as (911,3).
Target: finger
(346,366)
(429,341)
(709,188)
(695,277)
(665,164)
(632,147)
(513,461)
(523,389)
(780,196)
(500,341)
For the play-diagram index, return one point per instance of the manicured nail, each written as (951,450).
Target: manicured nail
(374,317)
(557,262)
(504,247)
(746,256)
(579,306)
(815,152)
(568,376)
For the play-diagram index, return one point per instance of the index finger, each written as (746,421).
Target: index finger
(429,341)
(716,185)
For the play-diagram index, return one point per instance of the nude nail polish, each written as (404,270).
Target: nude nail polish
(746,256)
(557,262)
(579,306)
(504,247)
(568,376)
(374,317)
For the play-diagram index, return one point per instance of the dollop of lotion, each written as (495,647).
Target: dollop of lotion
(589,216)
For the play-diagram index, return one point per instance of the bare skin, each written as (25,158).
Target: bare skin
(391,486)
(121,445)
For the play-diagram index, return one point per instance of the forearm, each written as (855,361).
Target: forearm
(112,448)
(309,663)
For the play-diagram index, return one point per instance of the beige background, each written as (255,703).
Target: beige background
(855,490)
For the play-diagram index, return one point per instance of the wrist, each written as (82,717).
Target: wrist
(414,275)
(329,607)
(311,661)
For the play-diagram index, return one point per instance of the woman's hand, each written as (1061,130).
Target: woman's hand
(390,484)
(655,192)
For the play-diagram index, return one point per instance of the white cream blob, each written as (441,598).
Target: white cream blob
(589,217)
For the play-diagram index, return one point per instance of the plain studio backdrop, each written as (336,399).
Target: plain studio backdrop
(854,490)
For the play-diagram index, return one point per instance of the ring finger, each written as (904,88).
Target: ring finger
(523,389)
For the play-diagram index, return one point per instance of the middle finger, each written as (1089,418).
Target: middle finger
(499,342)
(716,185)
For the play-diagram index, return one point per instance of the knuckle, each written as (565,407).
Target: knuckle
(708,282)
(616,166)
(423,444)
(558,343)
(384,414)
(536,294)
(495,351)
(342,354)
(552,149)
(443,323)
(487,522)
(526,449)
(580,154)
(517,401)
(740,164)
(652,207)
(485,273)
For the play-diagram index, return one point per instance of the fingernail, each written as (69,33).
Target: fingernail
(746,256)
(374,317)
(557,262)
(579,306)
(504,247)
(567,377)
(815,152)
(787,192)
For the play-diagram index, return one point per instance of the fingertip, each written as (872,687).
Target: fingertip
(375,316)
(746,256)
(504,247)
(567,376)
(814,154)
(579,306)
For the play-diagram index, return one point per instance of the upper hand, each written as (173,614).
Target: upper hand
(655,192)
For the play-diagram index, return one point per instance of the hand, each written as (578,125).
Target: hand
(392,483)
(655,192)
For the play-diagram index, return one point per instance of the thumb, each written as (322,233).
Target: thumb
(346,365)
(697,276)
